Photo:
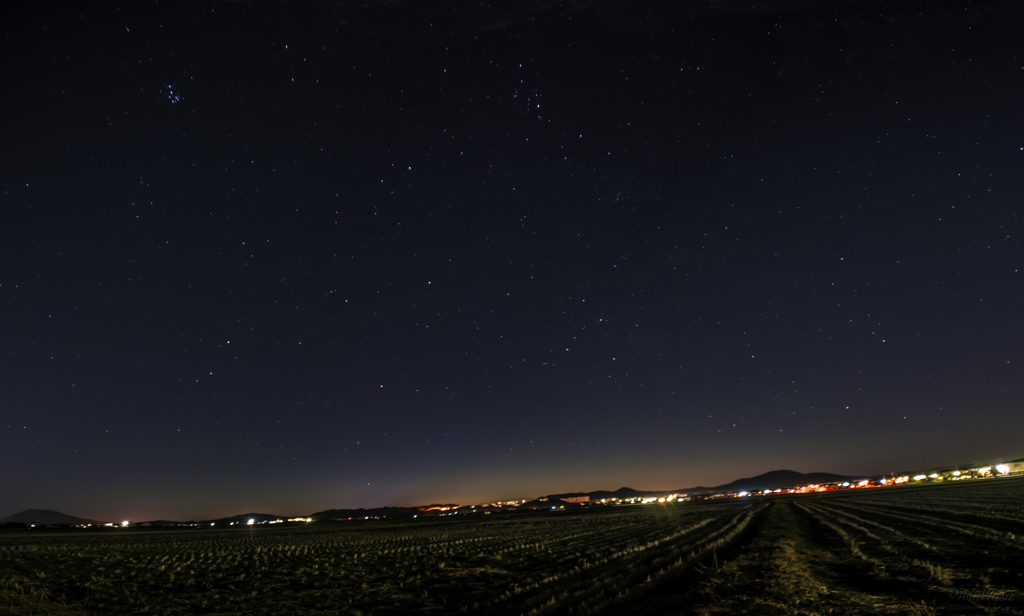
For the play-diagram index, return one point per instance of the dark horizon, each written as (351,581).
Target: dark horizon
(281,257)
(546,494)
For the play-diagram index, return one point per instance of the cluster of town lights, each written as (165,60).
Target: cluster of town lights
(253,522)
(997,470)
(985,471)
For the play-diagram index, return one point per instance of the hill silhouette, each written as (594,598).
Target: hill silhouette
(358,514)
(245,517)
(599,494)
(771,480)
(44,517)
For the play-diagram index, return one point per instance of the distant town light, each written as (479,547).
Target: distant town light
(125,523)
(251,521)
(1003,468)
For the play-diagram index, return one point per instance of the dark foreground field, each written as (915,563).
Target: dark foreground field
(946,549)
(938,549)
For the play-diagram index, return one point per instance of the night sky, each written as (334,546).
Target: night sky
(287,257)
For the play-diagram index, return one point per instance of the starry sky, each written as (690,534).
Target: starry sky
(286,257)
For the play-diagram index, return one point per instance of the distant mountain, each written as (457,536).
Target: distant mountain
(45,516)
(768,481)
(245,517)
(599,494)
(774,480)
(549,503)
(390,512)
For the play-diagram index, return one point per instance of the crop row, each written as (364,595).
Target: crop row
(934,550)
(525,564)
(939,525)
